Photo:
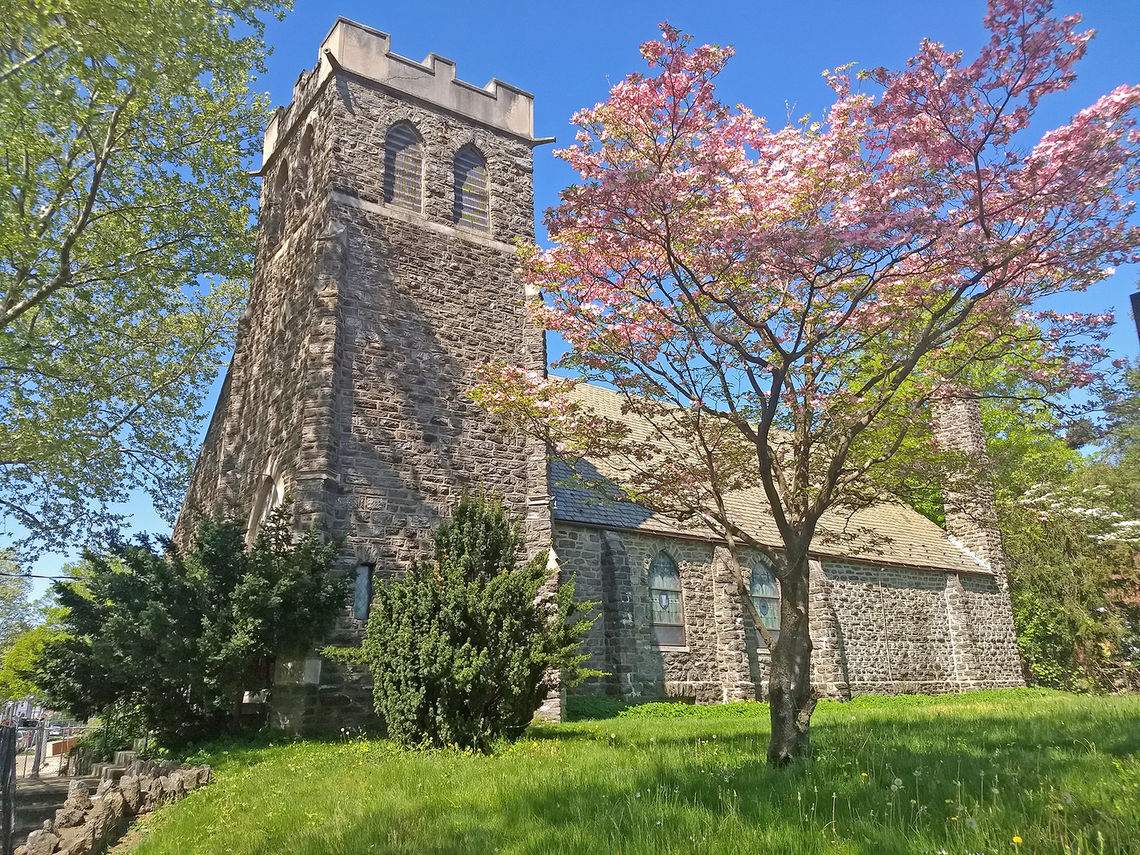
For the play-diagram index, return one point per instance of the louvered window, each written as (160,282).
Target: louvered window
(472,207)
(666,605)
(403,167)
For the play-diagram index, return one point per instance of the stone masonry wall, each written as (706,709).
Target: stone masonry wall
(894,628)
(256,429)
(718,661)
(426,302)
(419,304)
(874,629)
(983,616)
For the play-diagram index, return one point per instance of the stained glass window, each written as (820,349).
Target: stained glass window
(666,605)
(766,597)
(403,167)
(471,194)
(362,592)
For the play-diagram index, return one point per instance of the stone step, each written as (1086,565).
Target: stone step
(108,771)
(37,800)
(125,758)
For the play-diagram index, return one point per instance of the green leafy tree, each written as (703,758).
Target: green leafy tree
(15,587)
(464,648)
(181,638)
(1069,528)
(21,673)
(125,237)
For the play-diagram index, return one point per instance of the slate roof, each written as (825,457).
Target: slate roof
(884,533)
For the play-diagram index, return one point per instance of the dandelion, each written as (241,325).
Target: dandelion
(864,774)
(1017,841)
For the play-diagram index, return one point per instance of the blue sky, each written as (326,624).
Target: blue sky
(568,54)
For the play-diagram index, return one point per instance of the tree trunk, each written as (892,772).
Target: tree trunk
(789,684)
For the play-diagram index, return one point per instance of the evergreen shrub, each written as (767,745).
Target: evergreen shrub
(464,648)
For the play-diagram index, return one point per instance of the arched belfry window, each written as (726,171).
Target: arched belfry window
(666,605)
(472,198)
(276,204)
(304,178)
(765,594)
(404,167)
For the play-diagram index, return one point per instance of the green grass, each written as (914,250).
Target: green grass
(953,774)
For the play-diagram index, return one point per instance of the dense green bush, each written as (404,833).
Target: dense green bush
(116,729)
(465,647)
(182,638)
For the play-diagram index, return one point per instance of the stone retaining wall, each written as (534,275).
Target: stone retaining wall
(86,826)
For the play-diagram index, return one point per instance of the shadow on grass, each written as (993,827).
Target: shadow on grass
(897,787)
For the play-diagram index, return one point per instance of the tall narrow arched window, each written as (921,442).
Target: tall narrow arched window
(276,204)
(667,607)
(268,495)
(472,198)
(304,178)
(765,596)
(403,167)
(362,592)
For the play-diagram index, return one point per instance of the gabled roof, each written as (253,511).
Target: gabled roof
(884,533)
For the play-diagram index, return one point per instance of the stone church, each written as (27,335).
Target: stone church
(393,194)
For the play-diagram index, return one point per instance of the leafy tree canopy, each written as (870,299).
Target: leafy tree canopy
(21,674)
(125,237)
(1071,528)
(15,587)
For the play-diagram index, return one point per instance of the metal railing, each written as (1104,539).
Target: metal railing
(42,750)
(8,746)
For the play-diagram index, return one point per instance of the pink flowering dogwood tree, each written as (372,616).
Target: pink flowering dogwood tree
(785,304)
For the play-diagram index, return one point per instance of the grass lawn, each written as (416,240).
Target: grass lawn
(994,772)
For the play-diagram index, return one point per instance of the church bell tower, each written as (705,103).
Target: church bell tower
(392,197)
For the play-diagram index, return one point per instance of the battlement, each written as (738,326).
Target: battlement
(367,53)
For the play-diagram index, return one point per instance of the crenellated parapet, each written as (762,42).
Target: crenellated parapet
(366,53)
